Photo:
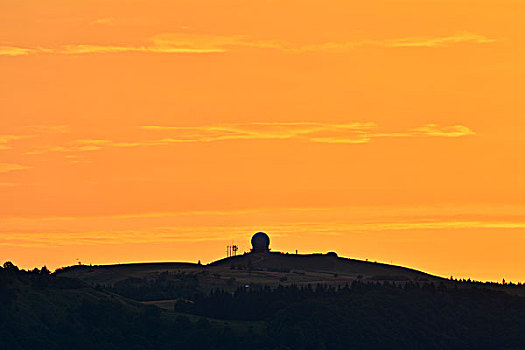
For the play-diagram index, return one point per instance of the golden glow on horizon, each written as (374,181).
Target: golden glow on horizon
(162,130)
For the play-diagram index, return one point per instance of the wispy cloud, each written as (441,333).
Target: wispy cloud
(15,51)
(359,132)
(261,131)
(187,226)
(243,41)
(349,214)
(199,233)
(5,139)
(432,130)
(342,133)
(79,49)
(414,42)
(185,43)
(31,131)
(8,167)
(65,149)
(458,38)
(86,49)
(445,131)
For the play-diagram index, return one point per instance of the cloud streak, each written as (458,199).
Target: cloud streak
(458,38)
(15,51)
(359,132)
(335,133)
(187,226)
(5,139)
(411,42)
(8,167)
(184,43)
(101,49)
(176,233)
(32,132)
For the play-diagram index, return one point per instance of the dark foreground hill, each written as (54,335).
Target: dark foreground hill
(303,306)
(42,311)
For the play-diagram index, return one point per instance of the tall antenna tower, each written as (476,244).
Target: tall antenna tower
(231,250)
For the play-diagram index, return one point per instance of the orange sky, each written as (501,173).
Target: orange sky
(388,130)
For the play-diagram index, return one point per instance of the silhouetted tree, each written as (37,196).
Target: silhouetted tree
(9,266)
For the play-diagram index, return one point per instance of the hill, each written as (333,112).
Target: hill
(42,311)
(328,263)
(157,281)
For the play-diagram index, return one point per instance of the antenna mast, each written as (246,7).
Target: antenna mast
(231,250)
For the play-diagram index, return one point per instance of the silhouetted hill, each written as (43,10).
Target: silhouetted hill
(255,301)
(162,281)
(327,263)
(102,274)
(42,311)
(375,316)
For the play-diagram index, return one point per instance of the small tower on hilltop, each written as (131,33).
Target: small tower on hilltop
(260,243)
(231,250)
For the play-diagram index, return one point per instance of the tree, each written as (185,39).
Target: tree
(9,266)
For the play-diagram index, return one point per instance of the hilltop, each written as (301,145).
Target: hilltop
(328,263)
(258,300)
(42,311)
(168,281)
(259,267)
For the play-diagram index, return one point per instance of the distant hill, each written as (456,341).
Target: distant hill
(327,263)
(42,311)
(261,268)
(255,301)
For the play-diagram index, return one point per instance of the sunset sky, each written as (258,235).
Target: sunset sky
(163,130)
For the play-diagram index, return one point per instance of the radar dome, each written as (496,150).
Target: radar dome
(260,242)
